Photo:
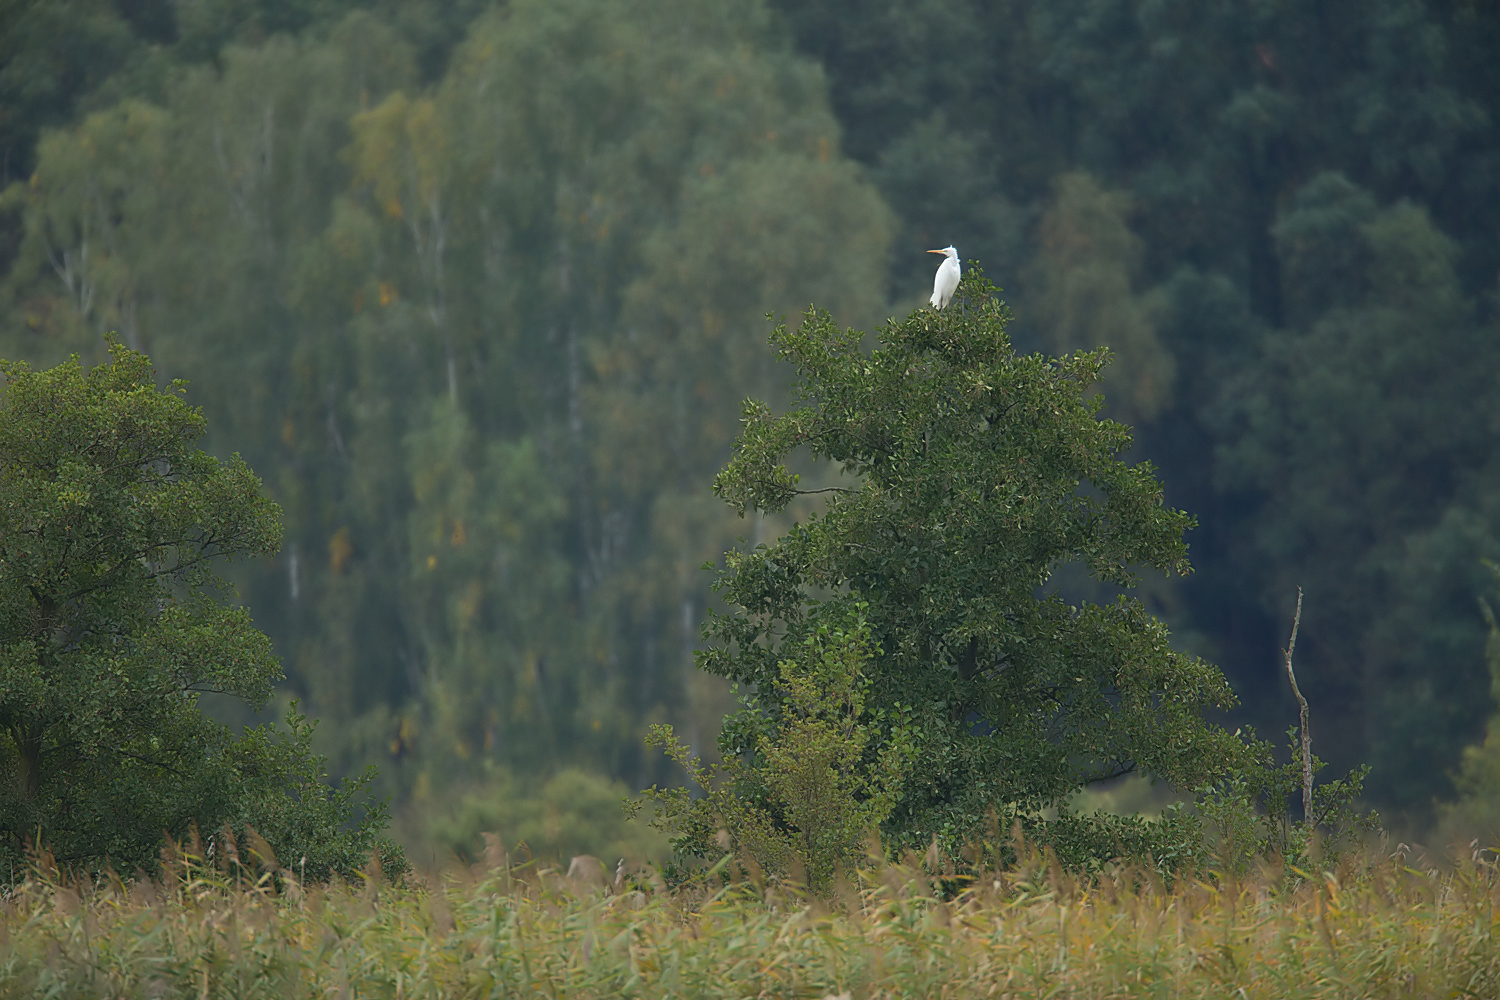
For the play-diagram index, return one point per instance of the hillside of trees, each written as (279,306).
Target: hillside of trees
(477,290)
(1284,220)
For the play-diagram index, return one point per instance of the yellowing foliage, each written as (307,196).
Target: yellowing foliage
(1391,931)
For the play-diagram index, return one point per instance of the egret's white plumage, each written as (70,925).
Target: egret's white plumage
(947,278)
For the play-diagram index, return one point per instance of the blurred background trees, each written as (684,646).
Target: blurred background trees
(477,290)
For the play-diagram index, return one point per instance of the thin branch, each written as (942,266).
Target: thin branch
(766,483)
(209,548)
(1119,769)
(147,760)
(1307,770)
(197,687)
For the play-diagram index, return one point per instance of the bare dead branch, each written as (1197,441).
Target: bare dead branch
(1307,770)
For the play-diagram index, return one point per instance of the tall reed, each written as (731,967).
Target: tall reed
(1387,928)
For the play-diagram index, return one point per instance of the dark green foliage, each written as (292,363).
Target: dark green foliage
(813,787)
(414,255)
(111,521)
(1363,435)
(1247,819)
(484,339)
(51,54)
(1255,146)
(318,830)
(1476,809)
(573,812)
(1209,114)
(970,474)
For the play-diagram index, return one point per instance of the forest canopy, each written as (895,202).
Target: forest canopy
(477,289)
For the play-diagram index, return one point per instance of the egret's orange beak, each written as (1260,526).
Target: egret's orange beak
(937,251)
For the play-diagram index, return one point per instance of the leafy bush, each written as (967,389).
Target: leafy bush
(1476,811)
(320,830)
(573,812)
(805,803)
(111,520)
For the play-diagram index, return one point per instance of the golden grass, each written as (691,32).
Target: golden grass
(1389,931)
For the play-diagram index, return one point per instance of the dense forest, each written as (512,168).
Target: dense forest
(478,289)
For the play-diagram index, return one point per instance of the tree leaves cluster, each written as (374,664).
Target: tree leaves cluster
(1282,220)
(1476,808)
(801,799)
(410,252)
(111,523)
(970,473)
(482,330)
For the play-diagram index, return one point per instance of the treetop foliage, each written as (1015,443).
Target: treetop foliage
(483,333)
(477,288)
(970,473)
(1214,191)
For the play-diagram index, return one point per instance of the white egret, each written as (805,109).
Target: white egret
(947,278)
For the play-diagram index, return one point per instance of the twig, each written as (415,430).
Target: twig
(1307,770)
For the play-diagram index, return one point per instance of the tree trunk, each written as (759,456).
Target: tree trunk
(29,761)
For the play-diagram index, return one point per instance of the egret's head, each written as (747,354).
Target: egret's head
(946,252)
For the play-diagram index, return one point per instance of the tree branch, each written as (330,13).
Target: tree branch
(1307,771)
(1118,769)
(146,760)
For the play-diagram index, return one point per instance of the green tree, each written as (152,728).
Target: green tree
(567,246)
(802,804)
(111,522)
(1082,282)
(50,55)
(970,474)
(1360,440)
(81,224)
(1476,809)
(1212,119)
(482,336)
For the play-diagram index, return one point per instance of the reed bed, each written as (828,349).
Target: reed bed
(1384,930)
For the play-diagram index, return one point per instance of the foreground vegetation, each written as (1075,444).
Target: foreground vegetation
(1385,930)
(477,288)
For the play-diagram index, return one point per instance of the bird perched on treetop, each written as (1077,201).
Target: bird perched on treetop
(947,278)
